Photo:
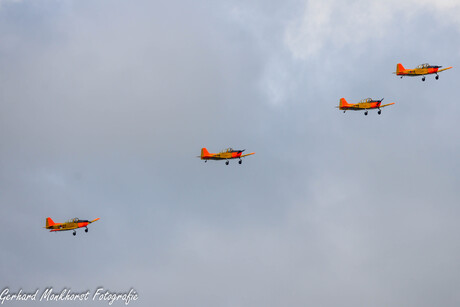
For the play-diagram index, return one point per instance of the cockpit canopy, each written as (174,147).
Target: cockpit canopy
(426,65)
(366,100)
(74,220)
(231,150)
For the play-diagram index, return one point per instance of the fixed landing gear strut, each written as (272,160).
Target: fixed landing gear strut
(241,161)
(74,233)
(437,77)
(423,78)
(226,162)
(86,230)
(379,112)
(365,112)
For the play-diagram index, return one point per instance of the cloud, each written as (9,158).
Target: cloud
(335,25)
(105,107)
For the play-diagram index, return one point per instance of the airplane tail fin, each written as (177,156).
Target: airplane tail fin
(49,222)
(399,68)
(204,152)
(343,103)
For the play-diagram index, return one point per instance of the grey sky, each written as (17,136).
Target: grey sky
(106,104)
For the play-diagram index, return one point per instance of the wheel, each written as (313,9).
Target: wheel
(365,113)
(86,230)
(74,233)
(423,79)
(226,162)
(437,77)
(379,112)
(239,162)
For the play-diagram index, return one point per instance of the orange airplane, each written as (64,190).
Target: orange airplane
(364,104)
(421,70)
(71,224)
(226,154)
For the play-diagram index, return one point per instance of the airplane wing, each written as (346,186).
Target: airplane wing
(247,154)
(95,220)
(386,105)
(444,69)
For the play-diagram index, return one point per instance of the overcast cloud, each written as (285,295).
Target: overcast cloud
(104,106)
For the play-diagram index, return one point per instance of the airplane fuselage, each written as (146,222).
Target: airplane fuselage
(222,156)
(418,72)
(68,226)
(362,106)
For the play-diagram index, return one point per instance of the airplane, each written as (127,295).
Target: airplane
(421,70)
(364,104)
(226,154)
(71,224)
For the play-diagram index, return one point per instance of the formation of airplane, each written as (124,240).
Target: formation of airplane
(71,224)
(226,154)
(368,103)
(421,70)
(230,153)
(365,104)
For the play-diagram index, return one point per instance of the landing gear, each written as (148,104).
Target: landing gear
(226,162)
(437,77)
(86,230)
(241,161)
(401,77)
(365,113)
(379,112)
(423,78)
(74,233)
(205,161)
(344,111)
